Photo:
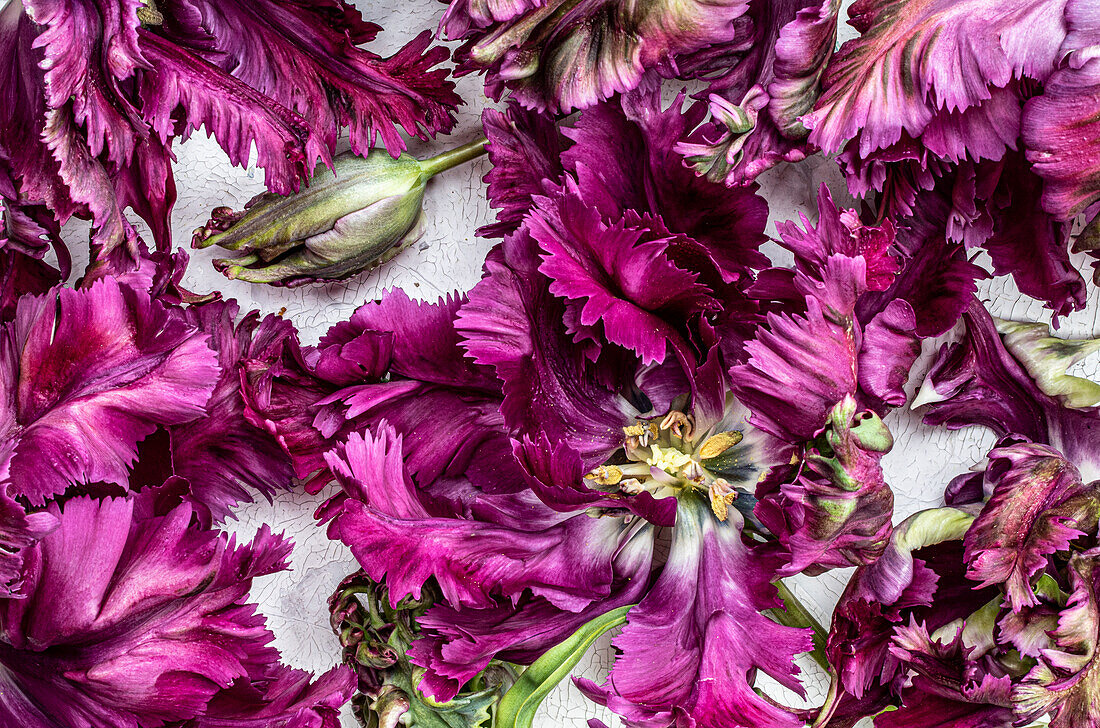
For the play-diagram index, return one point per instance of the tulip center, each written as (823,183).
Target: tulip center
(668,457)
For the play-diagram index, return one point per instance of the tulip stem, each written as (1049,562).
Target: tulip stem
(795,614)
(454,157)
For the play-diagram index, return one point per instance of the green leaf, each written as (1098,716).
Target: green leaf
(517,707)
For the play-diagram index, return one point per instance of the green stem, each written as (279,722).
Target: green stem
(794,614)
(454,157)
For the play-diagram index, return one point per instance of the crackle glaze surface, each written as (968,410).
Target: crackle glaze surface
(448,257)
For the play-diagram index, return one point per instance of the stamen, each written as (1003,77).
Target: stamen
(682,425)
(718,444)
(722,496)
(605,475)
(631,486)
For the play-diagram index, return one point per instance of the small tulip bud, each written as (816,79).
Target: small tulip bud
(352,217)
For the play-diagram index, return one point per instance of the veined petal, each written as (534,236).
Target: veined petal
(71,423)
(692,646)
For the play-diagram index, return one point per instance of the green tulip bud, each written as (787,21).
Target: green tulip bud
(352,217)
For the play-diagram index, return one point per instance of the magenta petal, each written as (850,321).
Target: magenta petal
(156,631)
(798,368)
(913,59)
(392,535)
(1060,125)
(71,423)
(18,531)
(624,282)
(224,458)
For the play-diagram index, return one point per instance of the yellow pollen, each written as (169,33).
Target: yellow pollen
(722,497)
(668,459)
(605,475)
(718,444)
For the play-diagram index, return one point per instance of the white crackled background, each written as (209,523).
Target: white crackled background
(448,258)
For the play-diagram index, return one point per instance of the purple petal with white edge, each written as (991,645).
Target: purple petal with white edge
(1066,682)
(69,423)
(159,629)
(1038,506)
(388,529)
(913,59)
(694,643)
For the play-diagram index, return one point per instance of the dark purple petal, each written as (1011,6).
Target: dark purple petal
(622,158)
(225,106)
(513,324)
(979,382)
(525,150)
(798,368)
(424,344)
(619,278)
(929,710)
(91,373)
(287,698)
(922,562)
(307,58)
(224,458)
(890,347)
(281,396)
(456,644)
(554,57)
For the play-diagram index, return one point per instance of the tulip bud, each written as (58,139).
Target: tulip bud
(352,217)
